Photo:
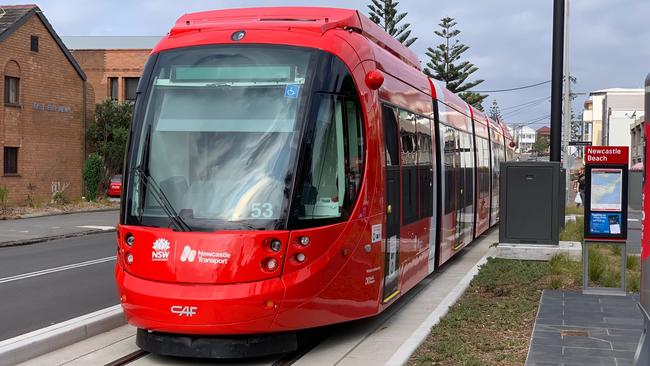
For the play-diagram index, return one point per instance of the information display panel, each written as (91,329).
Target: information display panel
(606,193)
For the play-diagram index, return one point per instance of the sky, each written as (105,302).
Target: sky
(509,40)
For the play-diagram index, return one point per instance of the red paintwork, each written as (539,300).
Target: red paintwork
(645,231)
(342,276)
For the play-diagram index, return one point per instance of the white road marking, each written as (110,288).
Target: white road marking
(633,220)
(24,231)
(57,269)
(105,228)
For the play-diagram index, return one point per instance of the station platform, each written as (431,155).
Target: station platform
(387,339)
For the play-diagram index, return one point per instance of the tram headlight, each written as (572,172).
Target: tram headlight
(129,258)
(270,264)
(304,241)
(130,239)
(300,257)
(276,245)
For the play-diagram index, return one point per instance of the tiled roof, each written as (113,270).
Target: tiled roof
(10,14)
(12,17)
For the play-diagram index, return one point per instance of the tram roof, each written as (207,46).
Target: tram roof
(312,19)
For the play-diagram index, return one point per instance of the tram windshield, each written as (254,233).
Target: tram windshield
(216,146)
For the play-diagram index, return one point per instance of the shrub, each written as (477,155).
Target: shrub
(93,173)
(633,263)
(4,197)
(29,200)
(597,265)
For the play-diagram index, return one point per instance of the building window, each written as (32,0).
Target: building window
(11,160)
(12,86)
(130,88)
(34,43)
(112,88)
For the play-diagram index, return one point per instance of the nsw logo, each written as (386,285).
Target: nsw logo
(188,254)
(160,251)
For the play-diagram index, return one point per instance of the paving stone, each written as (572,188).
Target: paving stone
(613,326)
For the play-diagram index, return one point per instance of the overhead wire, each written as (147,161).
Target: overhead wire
(522,104)
(510,89)
(525,108)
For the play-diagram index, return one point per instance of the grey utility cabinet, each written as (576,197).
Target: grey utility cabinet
(529,205)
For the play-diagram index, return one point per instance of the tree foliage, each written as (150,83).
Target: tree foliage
(108,135)
(495,111)
(384,13)
(541,145)
(446,64)
(93,173)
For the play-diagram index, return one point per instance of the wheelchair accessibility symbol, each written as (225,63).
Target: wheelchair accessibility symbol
(292,91)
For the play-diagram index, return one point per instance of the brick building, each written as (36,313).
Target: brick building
(42,115)
(113,64)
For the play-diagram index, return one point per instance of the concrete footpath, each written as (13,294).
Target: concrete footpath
(37,229)
(387,339)
(576,329)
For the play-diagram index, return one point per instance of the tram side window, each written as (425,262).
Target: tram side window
(409,148)
(334,167)
(467,149)
(484,166)
(390,132)
(451,168)
(425,167)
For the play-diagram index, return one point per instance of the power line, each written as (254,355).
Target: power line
(510,89)
(526,107)
(519,105)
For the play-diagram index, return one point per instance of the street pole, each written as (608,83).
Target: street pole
(567,101)
(556,80)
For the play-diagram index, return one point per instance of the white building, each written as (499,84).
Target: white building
(609,115)
(524,137)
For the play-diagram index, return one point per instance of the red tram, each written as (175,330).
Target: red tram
(290,168)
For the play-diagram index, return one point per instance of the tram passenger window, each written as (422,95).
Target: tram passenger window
(334,164)
(425,167)
(408,138)
(468,168)
(450,167)
(390,136)
(483,166)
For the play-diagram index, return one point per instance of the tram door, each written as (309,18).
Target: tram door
(392,209)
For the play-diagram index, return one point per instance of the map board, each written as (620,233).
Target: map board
(606,189)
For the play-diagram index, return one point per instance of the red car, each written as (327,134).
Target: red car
(115,186)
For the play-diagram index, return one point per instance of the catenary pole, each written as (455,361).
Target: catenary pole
(556,80)
(568,159)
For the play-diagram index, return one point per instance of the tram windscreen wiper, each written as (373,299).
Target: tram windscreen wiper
(152,186)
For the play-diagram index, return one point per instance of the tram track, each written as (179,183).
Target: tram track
(285,359)
(131,357)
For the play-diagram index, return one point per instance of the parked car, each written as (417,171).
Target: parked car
(115,186)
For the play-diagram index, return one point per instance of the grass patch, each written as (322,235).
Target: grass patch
(488,325)
(574,230)
(573,210)
(491,324)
